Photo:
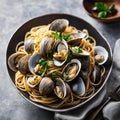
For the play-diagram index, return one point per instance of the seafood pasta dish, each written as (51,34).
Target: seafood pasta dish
(58,65)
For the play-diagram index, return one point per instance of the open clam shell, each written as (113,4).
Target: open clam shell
(33,61)
(47,46)
(101,55)
(78,52)
(61,89)
(35,80)
(62,45)
(13,60)
(78,86)
(71,70)
(79,35)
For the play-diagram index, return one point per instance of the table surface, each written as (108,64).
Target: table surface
(13,13)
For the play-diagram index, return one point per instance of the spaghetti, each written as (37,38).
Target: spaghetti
(86,43)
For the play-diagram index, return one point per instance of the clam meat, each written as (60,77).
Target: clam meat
(33,81)
(71,70)
(60,56)
(61,89)
(101,55)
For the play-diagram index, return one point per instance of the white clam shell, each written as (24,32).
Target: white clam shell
(28,82)
(57,62)
(101,51)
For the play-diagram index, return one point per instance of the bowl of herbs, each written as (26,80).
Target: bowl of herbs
(103,10)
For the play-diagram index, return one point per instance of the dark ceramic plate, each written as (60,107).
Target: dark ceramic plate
(74,21)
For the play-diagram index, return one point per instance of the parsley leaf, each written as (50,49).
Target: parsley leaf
(60,36)
(66,37)
(78,50)
(66,77)
(43,62)
(104,10)
(69,55)
(35,78)
(102,14)
(54,75)
(100,6)
(56,35)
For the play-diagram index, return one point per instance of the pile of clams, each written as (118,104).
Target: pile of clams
(75,71)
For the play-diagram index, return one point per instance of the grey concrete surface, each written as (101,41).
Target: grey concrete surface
(13,13)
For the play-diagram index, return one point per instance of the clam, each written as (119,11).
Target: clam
(29,46)
(76,38)
(33,81)
(78,35)
(78,86)
(13,60)
(47,46)
(61,89)
(43,46)
(46,86)
(78,52)
(33,61)
(74,42)
(59,25)
(23,64)
(71,70)
(96,74)
(60,56)
(101,55)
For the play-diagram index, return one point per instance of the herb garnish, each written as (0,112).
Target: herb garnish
(44,63)
(66,77)
(60,36)
(69,55)
(104,10)
(54,75)
(78,50)
(35,77)
(51,51)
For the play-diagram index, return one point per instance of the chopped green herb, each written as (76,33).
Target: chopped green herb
(43,62)
(35,77)
(66,77)
(102,14)
(69,55)
(43,71)
(66,37)
(56,35)
(60,36)
(54,75)
(29,82)
(78,50)
(104,10)
(51,51)
(100,6)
